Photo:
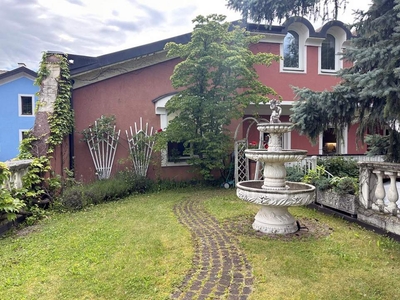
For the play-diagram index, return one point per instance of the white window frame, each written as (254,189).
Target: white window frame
(303,33)
(340,38)
(342,145)
(162,112)
(21,131)
(334,57)
(20,105)
(295,35)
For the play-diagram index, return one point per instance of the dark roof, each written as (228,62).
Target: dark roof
(17,71)
(283,29)
(86,63)
(330,24)
(83,64)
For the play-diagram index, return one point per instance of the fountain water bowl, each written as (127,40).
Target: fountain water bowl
(274,194)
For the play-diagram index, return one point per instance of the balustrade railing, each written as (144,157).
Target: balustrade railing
(18,169)
(379,187)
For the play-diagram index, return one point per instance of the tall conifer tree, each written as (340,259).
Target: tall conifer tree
(369,93)
(270,10)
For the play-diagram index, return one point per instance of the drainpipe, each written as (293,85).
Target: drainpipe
(71,135)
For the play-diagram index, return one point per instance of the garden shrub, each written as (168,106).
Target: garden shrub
(72,198)
(323,183)
(338,184)
(339,166)
(122,185)
(294,174)
(313,176)
(344,185)
(9,205)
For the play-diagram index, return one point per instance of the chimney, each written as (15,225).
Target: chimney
(21,65)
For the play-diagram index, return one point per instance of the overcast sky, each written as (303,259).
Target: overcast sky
(97,27)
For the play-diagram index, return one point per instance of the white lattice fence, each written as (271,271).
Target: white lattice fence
(241,162)
(141,147)
(102,149)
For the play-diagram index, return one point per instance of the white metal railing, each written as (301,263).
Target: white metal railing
(310,162)
(359,158)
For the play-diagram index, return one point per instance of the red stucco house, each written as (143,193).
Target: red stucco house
(135,83)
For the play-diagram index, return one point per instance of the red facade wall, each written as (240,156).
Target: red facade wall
(130,96)
(282,81)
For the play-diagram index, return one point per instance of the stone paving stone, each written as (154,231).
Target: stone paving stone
(219,267)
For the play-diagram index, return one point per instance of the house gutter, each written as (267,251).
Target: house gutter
(71,135)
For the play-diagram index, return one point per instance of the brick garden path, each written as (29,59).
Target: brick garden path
(219,268)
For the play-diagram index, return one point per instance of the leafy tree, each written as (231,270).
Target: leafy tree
(216,81)
(369,91)
(269,10)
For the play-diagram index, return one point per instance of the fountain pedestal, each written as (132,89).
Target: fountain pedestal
(274,219)
(274,194)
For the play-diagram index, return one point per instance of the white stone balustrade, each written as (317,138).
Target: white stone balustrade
(373,194)
(18,169)
(379,196)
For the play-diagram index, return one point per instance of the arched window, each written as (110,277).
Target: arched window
(291,50)
(175,153)
(328,53)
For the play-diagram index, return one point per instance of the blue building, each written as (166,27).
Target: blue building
(17,112)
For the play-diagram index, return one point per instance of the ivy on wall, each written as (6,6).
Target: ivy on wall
(61,121)
(37,186)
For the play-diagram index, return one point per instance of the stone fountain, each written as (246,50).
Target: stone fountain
(274,194)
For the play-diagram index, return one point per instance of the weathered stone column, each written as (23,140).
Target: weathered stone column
(47,96)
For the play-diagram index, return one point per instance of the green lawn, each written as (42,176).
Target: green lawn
(136,249)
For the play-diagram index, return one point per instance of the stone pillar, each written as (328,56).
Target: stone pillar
(47,96)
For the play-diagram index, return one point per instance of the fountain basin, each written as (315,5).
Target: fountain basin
(275,127)
(281,156)
(273,216)
(295,193)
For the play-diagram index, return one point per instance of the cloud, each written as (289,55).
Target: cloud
(92,27)
(77,2)
(122,25)
(180,15)
(86,27)
(152,16)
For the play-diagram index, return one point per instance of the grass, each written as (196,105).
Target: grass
(132,249)
(349,263)
(136,249)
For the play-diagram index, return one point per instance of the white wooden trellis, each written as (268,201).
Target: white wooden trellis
(141,147)
(102,149)
(242,166)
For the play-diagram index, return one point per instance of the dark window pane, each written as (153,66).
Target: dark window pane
(328,53)
(176,151)
(25,134)
(329,142)
(291,50)
(26,105)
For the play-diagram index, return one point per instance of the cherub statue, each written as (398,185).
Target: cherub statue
(276,111)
